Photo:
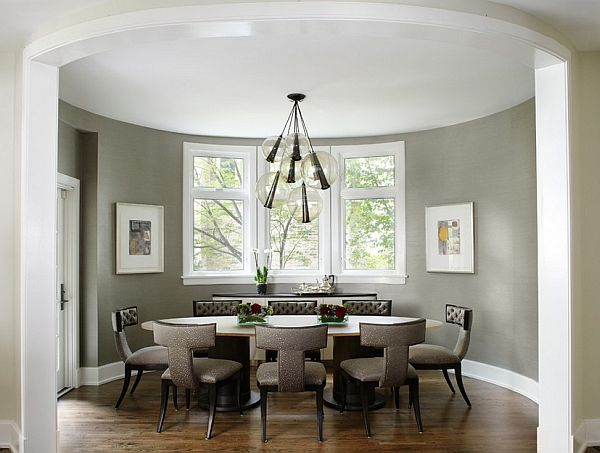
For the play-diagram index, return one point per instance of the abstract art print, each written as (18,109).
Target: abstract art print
(139,235)
(449,238)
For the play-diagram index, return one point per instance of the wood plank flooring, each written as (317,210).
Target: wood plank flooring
(499,421)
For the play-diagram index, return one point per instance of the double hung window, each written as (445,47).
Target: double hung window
(369,214)
(219,210)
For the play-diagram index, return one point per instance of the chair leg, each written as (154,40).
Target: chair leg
(164,397)
(175,404)
(413,388)
(364,396)
(344,387)
(126,380)
(459,381)
(320,414)
(263,413)
(188,398)
(137,381)
(396,391)
(212,398)
(448,380)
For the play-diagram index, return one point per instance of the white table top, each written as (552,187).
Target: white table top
(228,326)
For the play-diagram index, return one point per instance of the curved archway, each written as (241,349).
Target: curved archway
(40,77)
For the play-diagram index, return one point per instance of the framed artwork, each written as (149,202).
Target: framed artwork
(449,241)
(140,238)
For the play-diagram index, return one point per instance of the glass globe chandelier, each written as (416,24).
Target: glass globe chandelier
(302,171)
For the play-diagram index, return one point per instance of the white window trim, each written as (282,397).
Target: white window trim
(248,153)
(256,230)
(398,275)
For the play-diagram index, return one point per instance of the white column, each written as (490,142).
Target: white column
(38,226)
(554,260)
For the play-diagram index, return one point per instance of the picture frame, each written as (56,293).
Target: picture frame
(449,238)
(139,238)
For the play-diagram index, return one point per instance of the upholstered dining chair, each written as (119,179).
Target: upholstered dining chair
(391,370)
(291,373)
(190,373)
(144,359)
(382,307)
(435,357)
(293,307)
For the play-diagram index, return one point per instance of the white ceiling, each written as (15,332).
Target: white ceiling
(355,85)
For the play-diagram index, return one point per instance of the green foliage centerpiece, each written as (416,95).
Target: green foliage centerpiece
(333,313)
(252,313)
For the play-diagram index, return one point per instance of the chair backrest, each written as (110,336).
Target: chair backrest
(214,307)
(122,318)
(291,342)
(463,316)
(395,340)
(181,340)
(293,307)
(370,307)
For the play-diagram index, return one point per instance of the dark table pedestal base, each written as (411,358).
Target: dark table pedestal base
(228,403)
(353,402)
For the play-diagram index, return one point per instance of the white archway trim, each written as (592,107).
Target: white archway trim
(512,40)
(39,111)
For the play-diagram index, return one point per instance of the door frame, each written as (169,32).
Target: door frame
(71,257)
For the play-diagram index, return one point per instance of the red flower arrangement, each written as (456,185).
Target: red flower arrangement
(333,313)
(252,313)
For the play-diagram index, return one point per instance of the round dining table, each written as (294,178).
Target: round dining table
(233,343)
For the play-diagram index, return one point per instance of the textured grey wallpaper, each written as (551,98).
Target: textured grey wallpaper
(490,161)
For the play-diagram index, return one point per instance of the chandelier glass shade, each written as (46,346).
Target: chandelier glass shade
(274,148)
(272,191)
(305,204)
(319,170)
(291,171)
(302,171)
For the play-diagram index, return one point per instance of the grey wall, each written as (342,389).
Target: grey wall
(490,161)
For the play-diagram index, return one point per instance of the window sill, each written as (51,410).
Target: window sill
(291,279)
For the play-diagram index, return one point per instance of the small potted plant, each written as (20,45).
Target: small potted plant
(262,272)
(329,313)
(252,313)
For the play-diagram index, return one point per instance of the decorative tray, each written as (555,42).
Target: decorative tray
(312,291)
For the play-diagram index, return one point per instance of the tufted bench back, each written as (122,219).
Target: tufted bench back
(214,307)
(293,307)
(370,307)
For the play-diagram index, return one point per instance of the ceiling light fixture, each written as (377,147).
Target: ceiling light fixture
(302,171)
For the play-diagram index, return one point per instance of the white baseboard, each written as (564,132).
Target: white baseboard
(10,436)
(103,374)
(586,435)
(487,373)
(503,378)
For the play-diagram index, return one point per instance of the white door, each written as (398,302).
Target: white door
(62,378)
(67,284)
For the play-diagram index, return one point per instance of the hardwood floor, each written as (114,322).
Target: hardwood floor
(499,421)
